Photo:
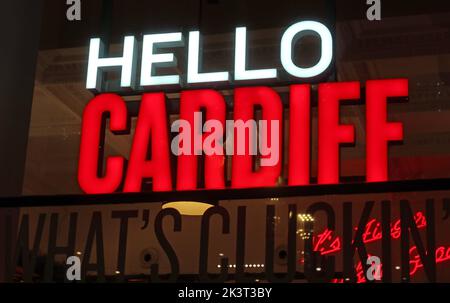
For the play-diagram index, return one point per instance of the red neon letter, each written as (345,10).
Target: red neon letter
(89,165)
(378,131)
(151,125)
(214,105)
(299,135)
(331,133)
(245,100)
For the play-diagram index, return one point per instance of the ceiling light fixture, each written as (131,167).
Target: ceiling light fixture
(189,208)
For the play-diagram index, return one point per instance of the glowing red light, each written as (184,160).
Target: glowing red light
(89,177)
(150,153)
(245,101)
(378,131)
(331,132)
(151,127)
(442,255)
(214,105)
(327,242)
(299,128)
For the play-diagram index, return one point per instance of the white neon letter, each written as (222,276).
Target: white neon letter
(240,60)
(127,62)
(288,40)
(149,45)
(194,60)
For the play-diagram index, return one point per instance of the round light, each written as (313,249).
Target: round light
(188,208)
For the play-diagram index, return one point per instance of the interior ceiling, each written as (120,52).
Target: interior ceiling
(417,47)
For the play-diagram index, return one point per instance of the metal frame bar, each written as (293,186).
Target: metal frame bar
(423,185)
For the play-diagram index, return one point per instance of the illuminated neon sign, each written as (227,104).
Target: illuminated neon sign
(150,43)
(442,255)
(327,243)
(152,133)
(150,156)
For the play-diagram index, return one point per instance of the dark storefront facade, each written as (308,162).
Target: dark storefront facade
(304,225)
